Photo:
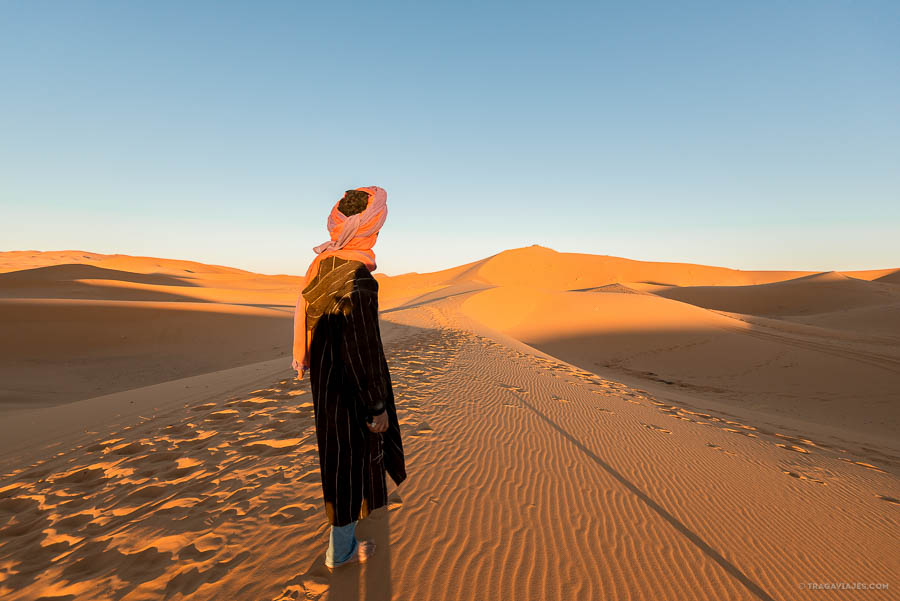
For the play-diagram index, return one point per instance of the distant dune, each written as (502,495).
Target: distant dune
(806,295)
(79,325)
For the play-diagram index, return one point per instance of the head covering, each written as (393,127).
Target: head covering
(351,238)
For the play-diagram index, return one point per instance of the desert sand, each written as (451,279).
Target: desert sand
(79,325)
(576,427)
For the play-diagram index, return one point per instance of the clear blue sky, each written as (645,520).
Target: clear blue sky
(749,135)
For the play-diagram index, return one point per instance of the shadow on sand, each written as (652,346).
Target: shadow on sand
(369,581)
(729,567)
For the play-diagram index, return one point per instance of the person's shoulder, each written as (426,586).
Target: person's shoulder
(361,279)
(359,298)
(337,279)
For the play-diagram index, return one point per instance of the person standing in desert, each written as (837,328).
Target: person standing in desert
(338,340)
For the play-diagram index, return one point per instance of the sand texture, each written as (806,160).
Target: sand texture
(576,427)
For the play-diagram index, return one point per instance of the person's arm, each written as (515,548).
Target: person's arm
(362,350)
(300,361)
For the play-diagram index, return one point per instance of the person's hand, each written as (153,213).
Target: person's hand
(299,368)
(379,422)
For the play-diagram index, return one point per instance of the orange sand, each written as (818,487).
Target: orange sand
(78,325)
(576,427)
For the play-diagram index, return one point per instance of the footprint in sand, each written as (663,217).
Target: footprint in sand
(203,407)
(741,432)
(518,389)
(83,477)
(305,586)
(720,449)
(800,476)
(103,446)
(190,579)
(658,428)
(293,514)
(421,429)
(255,403)
(272,446)
(791,447)
(222,415)
(131,448)
(863,464)
(796,439)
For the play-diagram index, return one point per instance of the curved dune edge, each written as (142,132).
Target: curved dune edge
(809,295)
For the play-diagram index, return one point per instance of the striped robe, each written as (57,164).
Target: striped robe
(350,381)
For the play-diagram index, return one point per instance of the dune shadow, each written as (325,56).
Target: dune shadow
(424,299)
(78,271)
(755,363)
(707,550)
(374,574)
(67,282)
(343,583)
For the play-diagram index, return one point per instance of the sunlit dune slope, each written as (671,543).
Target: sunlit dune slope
(543,267)
(546,268)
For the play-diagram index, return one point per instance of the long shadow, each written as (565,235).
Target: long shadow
(675,522)
(378,572)
(343,584)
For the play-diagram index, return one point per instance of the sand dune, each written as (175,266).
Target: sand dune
(27,259)
(75,330)
(887,276)
(819,293)
(546,268)
(881,321)
(597,440)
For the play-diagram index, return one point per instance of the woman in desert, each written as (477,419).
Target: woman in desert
(338,340)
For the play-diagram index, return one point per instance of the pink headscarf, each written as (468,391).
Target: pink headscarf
(351,238)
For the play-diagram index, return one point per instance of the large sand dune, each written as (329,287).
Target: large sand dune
(78,325)
(574,430)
